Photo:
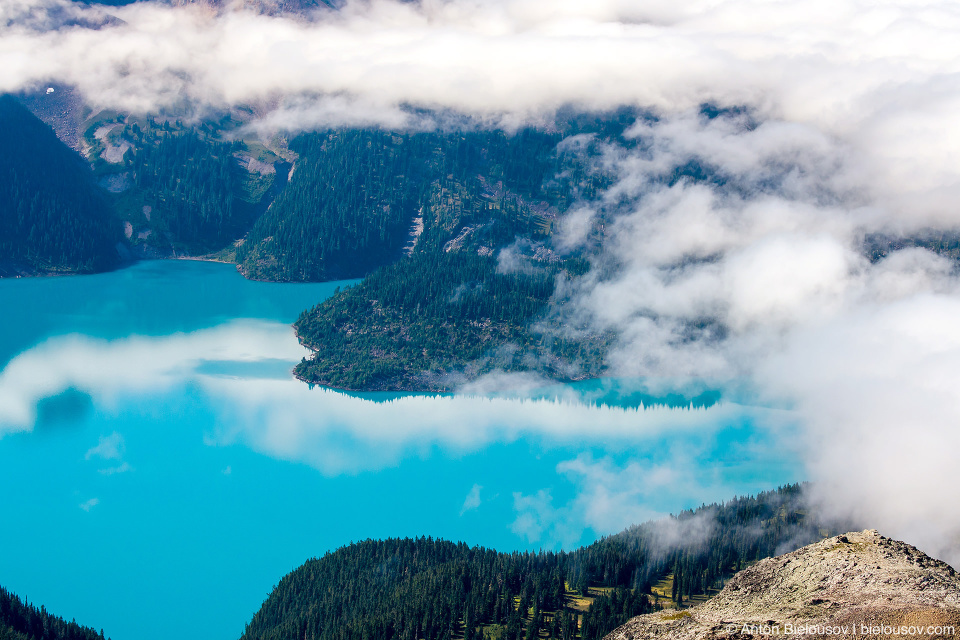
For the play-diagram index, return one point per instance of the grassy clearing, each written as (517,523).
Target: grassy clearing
(700,598)
(677,616)
(259,152)
(663,590)
(253,186)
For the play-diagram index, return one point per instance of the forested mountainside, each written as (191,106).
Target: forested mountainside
(414,324)
(353,201)
(408,589)
(454,227)
(453,300)
(53,217)
(177,190)
(356,198)
(452,230)
(22,621)
(193,185)
(479,272)
(346,210)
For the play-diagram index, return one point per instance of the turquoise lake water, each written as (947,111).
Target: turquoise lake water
(162,470)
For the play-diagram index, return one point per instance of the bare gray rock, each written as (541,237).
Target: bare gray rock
(853,585)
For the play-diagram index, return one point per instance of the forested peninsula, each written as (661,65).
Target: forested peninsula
(450,229)
(456,232)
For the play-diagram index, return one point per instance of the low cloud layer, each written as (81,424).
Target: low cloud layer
(244,367)
(881,79)
(775,270)
(612,497)
(876,391)
(671,456)
(759,276)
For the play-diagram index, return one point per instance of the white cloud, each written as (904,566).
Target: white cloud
(610,497)
(337,433)
(334,432)
(761,279)
(472,501)
(108,448)
(876,390)
(110,368)
(120,468)
(538,520)
(880,78)
(89,504)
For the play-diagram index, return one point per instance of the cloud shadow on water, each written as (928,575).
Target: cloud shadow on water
(63,410)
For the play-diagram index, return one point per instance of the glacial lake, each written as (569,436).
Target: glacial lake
(162,470)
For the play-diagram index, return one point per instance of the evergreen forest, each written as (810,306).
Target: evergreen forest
(346,210)
(476,271)
(193,185)
(355,198)
(20,620)
(53,217)
(452,231)
(412,589)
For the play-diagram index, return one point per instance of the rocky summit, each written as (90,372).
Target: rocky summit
(853,585)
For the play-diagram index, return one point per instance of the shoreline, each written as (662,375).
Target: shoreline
(15,271)
(403,385)
(390,387)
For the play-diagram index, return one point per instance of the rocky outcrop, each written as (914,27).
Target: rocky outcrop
(853,585)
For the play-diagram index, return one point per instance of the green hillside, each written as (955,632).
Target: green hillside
(476,272)
(427,589)
(412,589)
(346,210)
(451,230)
(53,217)
(22,621)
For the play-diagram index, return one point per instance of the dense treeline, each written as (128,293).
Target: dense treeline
(193,184)
(480,271)
(52,214)
(612,610)
(700,547)
(406,589)
(345,211)
(350,204)
(22,621)
(467,287)
(418,318)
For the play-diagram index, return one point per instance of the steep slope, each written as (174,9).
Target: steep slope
(853,584)
(427,589)
(477,271)
(22,621)
(53,217)
(192,186)
(345,211)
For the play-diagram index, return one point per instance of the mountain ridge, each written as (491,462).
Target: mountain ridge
(53,217)
(858,583)
(431,589)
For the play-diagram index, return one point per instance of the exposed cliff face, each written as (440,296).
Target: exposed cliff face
(853,585)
